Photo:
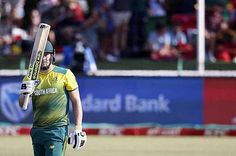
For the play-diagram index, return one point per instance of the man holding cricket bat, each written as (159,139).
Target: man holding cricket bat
(50,101)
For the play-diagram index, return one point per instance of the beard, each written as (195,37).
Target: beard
(44,68)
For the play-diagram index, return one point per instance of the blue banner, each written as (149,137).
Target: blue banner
(9,107)
(121,100)
(127,100)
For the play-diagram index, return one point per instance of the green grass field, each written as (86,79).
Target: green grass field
(140,63)
(132,146)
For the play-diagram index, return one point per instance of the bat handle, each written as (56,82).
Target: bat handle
(26,101)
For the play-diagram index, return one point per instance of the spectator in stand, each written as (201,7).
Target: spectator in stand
(16,42)
(156,8)
(73,19)
(121,17)
(89,30)
(46,5)
(18,10)
(180,43)
(214,18)
(20,39)
(5,34)
(156,11)
(83,61)
(35,18)
(52,12)
(159,42)
(76,10)
(105,30)
(137,33)
(226,43)
(230,10)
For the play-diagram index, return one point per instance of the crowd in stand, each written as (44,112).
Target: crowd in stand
(221,30)
(112,29)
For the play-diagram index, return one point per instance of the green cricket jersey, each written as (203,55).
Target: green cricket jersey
(50,100)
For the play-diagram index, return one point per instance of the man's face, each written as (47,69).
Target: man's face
(47,61)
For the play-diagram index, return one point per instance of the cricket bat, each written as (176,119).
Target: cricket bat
(36,56)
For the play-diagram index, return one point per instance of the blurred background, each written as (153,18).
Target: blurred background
(120,35)
(144,67)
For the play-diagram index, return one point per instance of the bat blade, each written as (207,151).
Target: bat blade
(37,56)
(38,50)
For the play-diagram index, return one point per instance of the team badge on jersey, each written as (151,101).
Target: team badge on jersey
(54,79)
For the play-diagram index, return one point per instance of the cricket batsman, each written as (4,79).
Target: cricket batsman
(50,99)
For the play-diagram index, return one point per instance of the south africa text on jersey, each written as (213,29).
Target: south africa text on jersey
(45,91)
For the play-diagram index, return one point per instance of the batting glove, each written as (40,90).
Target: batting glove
(27,87)
(77,138)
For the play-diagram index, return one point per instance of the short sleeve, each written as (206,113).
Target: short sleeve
(70,81)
